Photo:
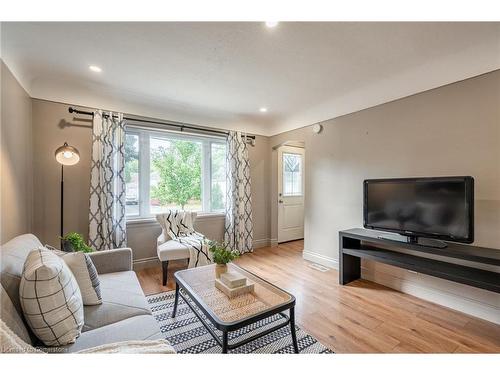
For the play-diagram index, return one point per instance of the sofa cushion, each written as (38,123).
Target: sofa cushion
(50,298)
(172,250)
(143,327)
(10,316)
(13,255)
(122,298)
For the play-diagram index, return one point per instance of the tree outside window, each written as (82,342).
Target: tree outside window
(179,169)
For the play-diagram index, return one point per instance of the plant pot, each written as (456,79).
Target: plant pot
(67,247)
(220,269)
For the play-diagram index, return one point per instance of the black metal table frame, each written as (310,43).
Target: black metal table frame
(226,328)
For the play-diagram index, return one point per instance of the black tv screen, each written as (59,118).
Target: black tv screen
(435,207)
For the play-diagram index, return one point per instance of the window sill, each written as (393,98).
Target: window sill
(152,220)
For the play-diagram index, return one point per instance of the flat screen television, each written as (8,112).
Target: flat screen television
(431,207)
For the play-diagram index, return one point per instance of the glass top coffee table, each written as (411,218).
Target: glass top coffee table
(230,314)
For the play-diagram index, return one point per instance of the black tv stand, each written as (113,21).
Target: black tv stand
(429,242)
(355,244)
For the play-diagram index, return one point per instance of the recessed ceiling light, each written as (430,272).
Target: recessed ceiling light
(271,24)
(95,68)
(263,109)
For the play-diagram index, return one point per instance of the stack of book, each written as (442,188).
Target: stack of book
(233,284)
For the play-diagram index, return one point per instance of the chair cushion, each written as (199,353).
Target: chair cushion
(172,250)
(50,298)
(143,327)
(122,298)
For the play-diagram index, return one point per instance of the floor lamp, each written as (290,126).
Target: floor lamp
(65,155)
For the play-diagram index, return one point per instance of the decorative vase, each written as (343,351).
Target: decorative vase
(220,269)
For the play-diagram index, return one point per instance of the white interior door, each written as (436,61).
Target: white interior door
(290,193)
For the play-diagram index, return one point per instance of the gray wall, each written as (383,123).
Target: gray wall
(452,130)
(53,125)
(16,156)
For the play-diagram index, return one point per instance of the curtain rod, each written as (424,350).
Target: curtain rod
(179,125)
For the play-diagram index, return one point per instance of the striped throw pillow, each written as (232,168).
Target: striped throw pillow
(50,298)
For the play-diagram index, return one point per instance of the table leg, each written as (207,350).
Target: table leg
(292,329)
(176,301)
(224,342)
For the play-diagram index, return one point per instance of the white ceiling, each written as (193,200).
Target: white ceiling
(220,74)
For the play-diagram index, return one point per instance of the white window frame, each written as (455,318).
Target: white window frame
(144,167)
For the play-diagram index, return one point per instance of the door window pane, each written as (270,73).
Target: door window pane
(218,177)
(175,174)
(132,174)
(292,174)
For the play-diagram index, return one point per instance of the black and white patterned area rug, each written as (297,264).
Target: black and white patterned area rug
(188,335)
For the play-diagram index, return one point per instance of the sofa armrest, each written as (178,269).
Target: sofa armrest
(115,260)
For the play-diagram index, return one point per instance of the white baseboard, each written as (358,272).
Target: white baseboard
(320,259)
(464,303)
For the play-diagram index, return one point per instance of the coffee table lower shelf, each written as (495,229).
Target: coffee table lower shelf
(226,328)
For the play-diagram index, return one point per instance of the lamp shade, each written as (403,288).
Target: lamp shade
(67,155)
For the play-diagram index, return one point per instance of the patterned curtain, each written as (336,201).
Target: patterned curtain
(107,229)
(238,232)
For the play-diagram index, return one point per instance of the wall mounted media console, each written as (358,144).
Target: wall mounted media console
(358,243)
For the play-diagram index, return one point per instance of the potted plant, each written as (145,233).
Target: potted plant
(221,256)
(74,242)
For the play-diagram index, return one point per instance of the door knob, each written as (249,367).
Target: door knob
(280,201)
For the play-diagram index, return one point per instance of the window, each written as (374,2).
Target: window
(292,174)
(173,171)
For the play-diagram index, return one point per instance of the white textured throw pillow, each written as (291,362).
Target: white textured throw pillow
(85,274)
(50,298)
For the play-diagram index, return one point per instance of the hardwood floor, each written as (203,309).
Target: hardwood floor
(361,317)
